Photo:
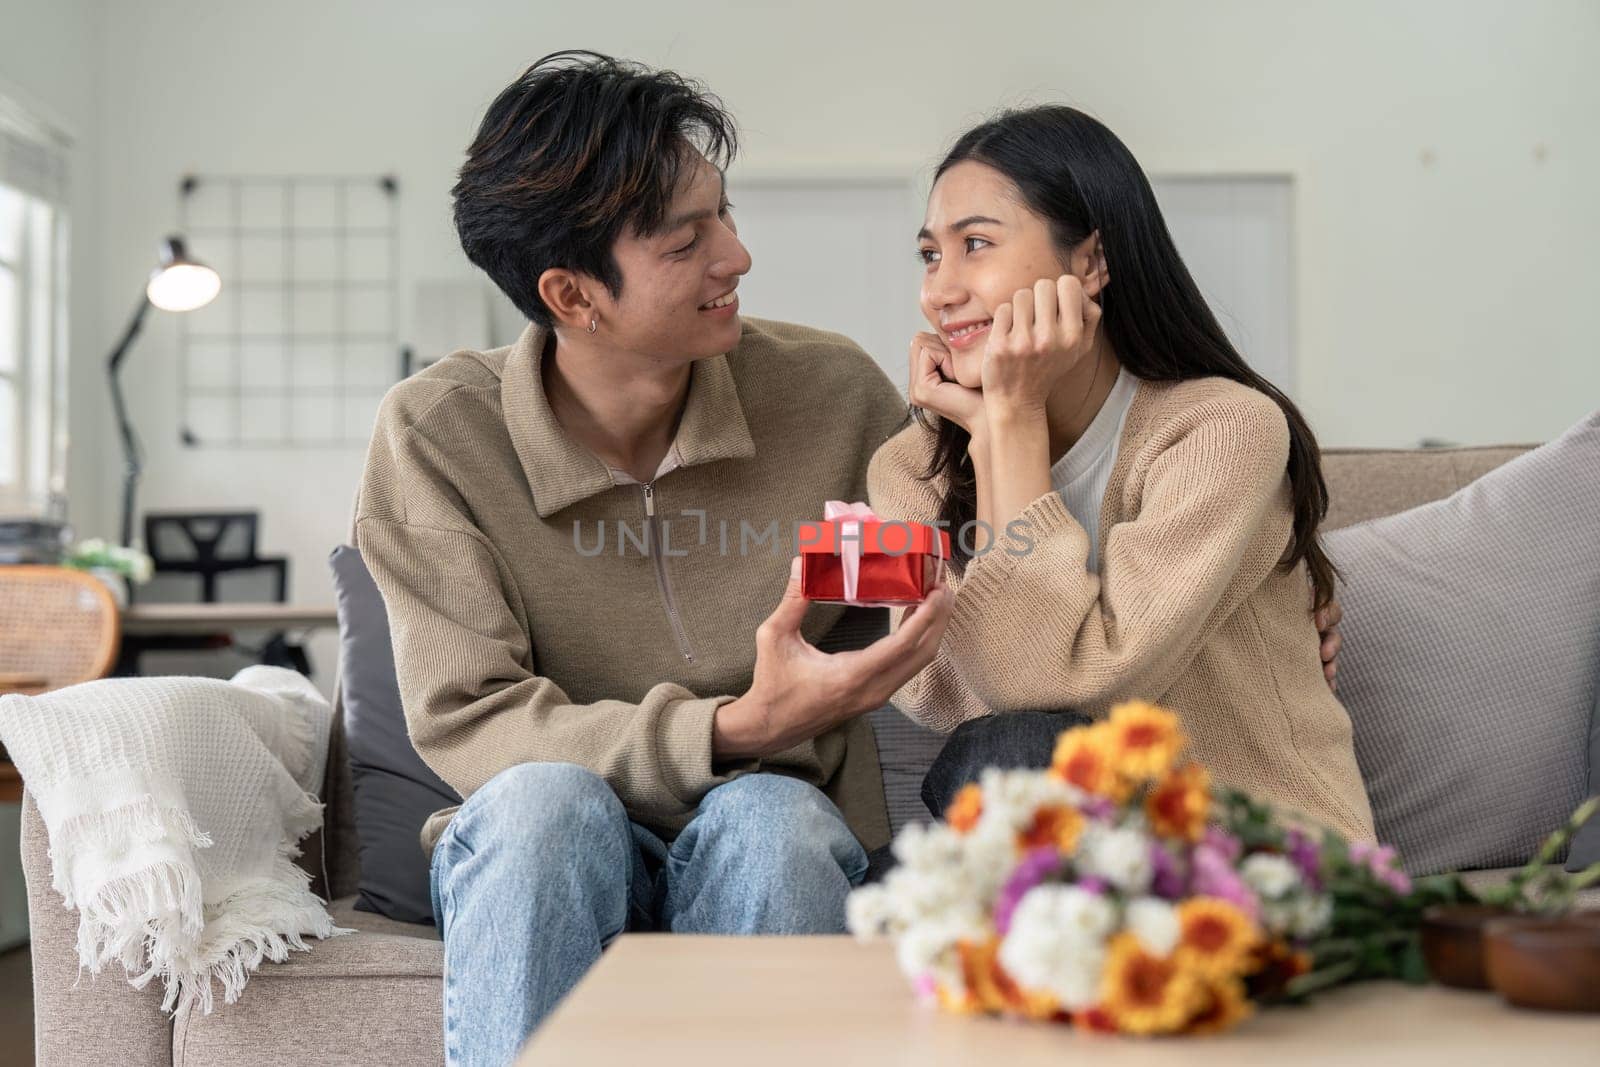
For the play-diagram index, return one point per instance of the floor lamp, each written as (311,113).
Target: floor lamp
(178,283)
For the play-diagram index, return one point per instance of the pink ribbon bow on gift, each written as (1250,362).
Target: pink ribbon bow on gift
(849,539)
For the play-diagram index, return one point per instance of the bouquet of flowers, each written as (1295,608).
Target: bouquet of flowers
(1119,891)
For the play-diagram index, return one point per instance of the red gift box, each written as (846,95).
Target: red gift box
(895,563)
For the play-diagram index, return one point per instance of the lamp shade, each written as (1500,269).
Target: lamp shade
(180,283)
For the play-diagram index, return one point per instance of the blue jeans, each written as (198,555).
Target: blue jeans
(541,868)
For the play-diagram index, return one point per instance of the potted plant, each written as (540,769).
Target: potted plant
(115,565)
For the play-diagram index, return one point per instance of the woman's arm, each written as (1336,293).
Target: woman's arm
(1017,471)
(983,471)
(1037,339)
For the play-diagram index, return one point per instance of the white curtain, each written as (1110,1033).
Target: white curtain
(34,191)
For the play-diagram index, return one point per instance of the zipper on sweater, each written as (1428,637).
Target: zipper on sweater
(662,578)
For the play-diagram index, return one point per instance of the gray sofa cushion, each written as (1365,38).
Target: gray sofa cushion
(394,791)
(1468,666)
(369,997)
(906,749)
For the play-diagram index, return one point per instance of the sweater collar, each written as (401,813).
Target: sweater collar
(562,472)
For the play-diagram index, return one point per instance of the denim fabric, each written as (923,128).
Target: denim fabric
(541,868)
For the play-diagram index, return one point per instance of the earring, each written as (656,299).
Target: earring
(594,324)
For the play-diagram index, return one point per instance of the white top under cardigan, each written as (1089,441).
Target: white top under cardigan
(1080,476)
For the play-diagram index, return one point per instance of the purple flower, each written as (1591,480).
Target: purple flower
(1214,876)
(1222,843)
(1035,867)
(1384,863)
(1307,856)
(1090,884)
(1100,808)
(1167,880)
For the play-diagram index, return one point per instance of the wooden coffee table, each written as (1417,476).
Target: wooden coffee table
(668,1000)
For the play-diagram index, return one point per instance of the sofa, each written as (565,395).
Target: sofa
(374,996)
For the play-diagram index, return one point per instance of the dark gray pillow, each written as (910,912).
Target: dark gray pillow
(1586,846)
(394,790)
(1468,669)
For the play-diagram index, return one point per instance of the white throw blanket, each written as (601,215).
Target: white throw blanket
(174,807)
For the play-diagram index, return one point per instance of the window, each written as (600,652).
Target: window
(33,304)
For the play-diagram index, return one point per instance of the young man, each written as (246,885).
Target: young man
(582,540)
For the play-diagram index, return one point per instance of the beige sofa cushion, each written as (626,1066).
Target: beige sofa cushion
(1368,483)
(368,997)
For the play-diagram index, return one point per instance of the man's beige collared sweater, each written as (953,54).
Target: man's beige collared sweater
(1189,607)
(530,617)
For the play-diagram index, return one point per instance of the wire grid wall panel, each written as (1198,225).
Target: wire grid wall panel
(300,345)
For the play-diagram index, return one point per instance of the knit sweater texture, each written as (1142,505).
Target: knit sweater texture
(540,613)
(1189,608)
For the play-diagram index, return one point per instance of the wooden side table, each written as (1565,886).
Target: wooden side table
(671,1000)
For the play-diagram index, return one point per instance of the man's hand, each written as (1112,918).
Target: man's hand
(1328,620)
(800,692)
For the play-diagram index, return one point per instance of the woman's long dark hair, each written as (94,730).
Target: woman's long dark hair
(1075,174)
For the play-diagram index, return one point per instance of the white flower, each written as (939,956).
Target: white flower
(1121,857)
(930,949)
(1277,916)
(1272,877)
(1312,914)
(927,844)
(868,911)
(141,565)
(1155,924)
(1013,797)
(989,859)
(1057,943)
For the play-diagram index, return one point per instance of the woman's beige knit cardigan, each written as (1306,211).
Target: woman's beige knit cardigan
(1191,608)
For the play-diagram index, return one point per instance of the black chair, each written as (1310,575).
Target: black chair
(196,555)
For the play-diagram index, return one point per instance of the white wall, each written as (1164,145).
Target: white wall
(1444,154)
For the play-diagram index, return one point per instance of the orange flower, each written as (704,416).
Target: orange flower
(1215,939)
(1082,758)
(1143,740)
(958,1002)
(1094,1020)
(1053,824)
(965,808)
(1223,1006)
(1145,994)
(994,990)
(1272,966)
(1179,805)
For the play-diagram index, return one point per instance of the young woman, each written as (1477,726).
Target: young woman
(1134,510)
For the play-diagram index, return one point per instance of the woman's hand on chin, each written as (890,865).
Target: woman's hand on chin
(1036,340)
(933,386)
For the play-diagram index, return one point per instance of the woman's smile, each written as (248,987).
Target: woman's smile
(966,334)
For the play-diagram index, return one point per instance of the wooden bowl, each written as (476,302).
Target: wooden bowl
(1551,964)
(1452,943)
